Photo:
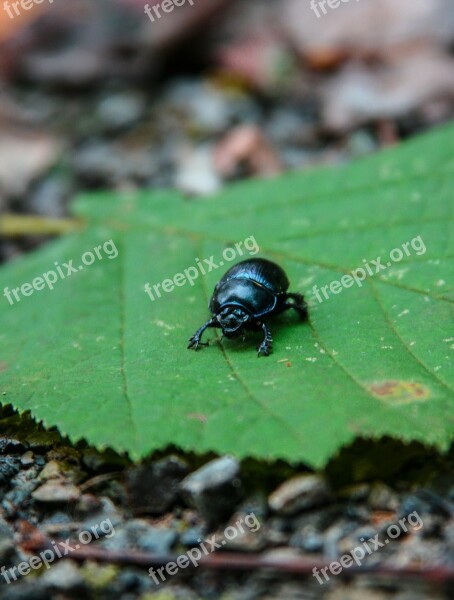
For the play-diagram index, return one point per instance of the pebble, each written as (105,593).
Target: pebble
(138,533)
(50,198)
(121,110)
(55,470)
(278,530)
(7,547)
(298,494)
(309,540)
(63,574)
(207,107)
(10,446)
(19,494)
(9,467)
(27,458)
(214,489)
(355,493)
(106,510)
(287,126)
(196,174)
(245,534)
(355,537)
(333,537)
(157,540)
(102,163)
(192,536)
(40,460)
(381,497)
(56,492)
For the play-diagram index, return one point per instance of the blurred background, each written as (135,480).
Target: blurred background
(95,94)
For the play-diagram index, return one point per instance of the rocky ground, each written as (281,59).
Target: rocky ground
(142,516)
(86,113)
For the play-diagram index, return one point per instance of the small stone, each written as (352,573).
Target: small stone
(215,489)
(97,163)
(355,493)
(196,174)
(99,576)
(87,504)
(138,533)
(245,533)
(119,111)
(9,467)
(308,539)
(64,575)
(10,446)
(355,537)
(382,497)
(56,492)
(19,495)
(334,536)
(101,163)
(157,540)
(7,545)
(278,531)
(50,198)
(192,536)
(106,511)
(52,470)
(40,461)
(59,521)
(208,108)
(27,459)
(298,494)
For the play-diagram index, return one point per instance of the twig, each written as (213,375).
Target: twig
(232,561)
(21,225)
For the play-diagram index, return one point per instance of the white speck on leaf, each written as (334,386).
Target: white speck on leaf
(160,323)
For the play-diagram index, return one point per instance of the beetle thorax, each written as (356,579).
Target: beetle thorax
(232,319)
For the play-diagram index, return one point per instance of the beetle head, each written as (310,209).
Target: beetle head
(232,319)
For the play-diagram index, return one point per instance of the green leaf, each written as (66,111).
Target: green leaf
(97,358)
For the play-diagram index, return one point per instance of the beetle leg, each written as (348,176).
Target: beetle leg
(298,304)
(265,346)
(194,341)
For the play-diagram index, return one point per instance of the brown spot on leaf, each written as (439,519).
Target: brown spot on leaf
(3,366)
(399,392)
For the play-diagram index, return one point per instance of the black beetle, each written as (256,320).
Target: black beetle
(250,293)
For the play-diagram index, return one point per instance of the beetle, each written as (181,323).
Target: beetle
(245,298)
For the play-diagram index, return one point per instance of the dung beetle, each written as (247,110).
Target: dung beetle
(249,294)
